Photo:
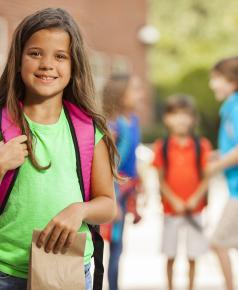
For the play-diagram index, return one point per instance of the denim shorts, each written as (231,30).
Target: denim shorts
(8,282)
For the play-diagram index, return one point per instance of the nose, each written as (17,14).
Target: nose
(46,63)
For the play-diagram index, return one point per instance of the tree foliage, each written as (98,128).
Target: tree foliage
(194,34)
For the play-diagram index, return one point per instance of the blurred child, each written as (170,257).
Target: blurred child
(224,83)
(180,160)
(120,96)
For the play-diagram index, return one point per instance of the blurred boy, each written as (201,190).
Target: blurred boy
(224,83)
(180,160)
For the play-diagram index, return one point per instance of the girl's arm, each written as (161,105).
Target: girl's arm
(102,208)
(62,229)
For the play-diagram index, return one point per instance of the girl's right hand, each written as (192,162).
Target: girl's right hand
(12,154)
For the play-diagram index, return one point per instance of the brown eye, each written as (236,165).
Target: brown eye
(61,56)
(35,53)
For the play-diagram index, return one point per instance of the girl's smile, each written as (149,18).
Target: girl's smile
(46,79)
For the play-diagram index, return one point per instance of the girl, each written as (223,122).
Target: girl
(47,65)
(120,96)
(224,83)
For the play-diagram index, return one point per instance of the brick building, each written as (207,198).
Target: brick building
(110,28)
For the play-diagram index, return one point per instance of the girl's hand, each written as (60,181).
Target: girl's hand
(12,154)
(61,231)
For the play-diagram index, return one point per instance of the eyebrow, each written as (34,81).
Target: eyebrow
(34,47)
(64,51)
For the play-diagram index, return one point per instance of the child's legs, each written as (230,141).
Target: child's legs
(197,245)
(113,267)
(8,282)
(116,246)
(225,262)
(226,237)
(169,244)
(170,268)
(192,269)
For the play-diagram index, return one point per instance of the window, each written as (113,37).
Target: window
(3,42)
(121,65)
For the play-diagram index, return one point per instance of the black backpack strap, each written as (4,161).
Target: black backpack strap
(165,152)
(197,143)
(98,258)
(98,251)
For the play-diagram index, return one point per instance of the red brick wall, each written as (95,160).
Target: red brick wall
(110,26)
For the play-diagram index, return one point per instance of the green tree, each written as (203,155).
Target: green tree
(194,35)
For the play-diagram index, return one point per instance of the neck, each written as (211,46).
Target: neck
(45,112)
(127,114)
(182,139)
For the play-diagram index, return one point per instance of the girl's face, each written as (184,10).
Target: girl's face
(221,86)
(46,64)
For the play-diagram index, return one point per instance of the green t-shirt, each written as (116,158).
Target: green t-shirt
(38,196)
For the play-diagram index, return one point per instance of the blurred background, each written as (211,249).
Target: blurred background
(171,45)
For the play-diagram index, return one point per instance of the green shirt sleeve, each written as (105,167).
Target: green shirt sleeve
(98,136)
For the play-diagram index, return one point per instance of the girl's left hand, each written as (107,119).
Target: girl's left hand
(60,232)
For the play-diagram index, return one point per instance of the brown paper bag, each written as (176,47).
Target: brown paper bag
(49,271)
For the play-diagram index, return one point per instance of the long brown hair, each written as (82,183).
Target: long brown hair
(113,93)
(80,89)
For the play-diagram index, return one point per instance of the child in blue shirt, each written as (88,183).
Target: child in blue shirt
(224,83)
(120,96)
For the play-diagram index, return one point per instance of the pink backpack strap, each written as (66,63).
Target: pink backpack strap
(9,130)
(83,133)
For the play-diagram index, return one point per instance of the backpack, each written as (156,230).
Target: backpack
(79,122)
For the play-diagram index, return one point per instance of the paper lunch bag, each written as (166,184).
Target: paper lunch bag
(49,271)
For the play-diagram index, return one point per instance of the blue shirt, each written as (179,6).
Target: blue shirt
(228,139)
(128,138)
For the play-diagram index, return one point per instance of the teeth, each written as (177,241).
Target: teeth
(46,78)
